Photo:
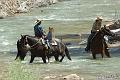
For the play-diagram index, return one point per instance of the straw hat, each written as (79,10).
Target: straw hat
(99,18)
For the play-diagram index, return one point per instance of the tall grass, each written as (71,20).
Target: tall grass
(17,71)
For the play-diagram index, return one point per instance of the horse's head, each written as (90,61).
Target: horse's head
(23,39)
(106,31)
(22,48)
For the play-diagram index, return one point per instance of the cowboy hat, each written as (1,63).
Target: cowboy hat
(99,18)
(38,20)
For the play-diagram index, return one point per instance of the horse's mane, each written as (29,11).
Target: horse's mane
(28,36)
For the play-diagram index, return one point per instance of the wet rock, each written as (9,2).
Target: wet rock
(72,77)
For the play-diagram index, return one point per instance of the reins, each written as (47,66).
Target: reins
(34,44)
(96,34)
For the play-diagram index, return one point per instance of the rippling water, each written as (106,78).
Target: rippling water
(64,16)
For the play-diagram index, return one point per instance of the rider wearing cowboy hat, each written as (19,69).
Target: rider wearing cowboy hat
(38,29)
(96,27)
(40,33)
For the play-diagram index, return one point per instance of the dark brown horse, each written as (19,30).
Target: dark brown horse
(98,44)
(39,50)
(58,48)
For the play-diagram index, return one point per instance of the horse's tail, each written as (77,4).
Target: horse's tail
(17,56)
(67,53)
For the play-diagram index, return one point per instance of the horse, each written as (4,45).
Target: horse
(37,48)
(22,49)
(58,48)
(98,44)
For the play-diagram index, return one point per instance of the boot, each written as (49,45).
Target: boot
(43,41)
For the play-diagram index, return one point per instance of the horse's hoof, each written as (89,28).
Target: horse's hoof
(60,61)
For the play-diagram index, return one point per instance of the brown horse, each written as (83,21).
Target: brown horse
(98,44)
(39,50)
(58,48)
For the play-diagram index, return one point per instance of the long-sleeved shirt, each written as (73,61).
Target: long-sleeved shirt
(49,36)
(38,29)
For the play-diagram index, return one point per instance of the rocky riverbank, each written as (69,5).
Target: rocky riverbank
(11,7)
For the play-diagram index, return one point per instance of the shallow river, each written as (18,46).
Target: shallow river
(70,16)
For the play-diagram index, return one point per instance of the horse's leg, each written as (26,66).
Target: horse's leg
(56,57)
(48,57)
(102,54)
(32,58)
(67,53)
(17,56)
(63,55)
(94,55)
(44,59)
(107,53)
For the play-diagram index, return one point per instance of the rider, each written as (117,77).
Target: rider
(40,33)
(96,27)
